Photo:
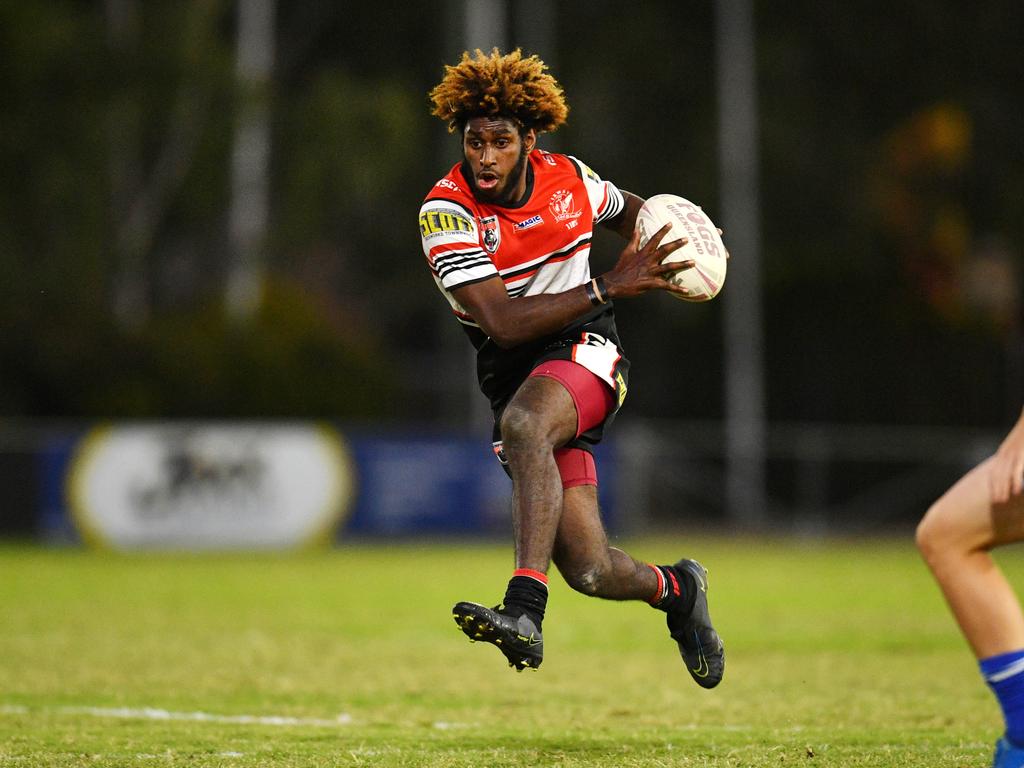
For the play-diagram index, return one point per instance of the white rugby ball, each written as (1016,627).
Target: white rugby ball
(704,245)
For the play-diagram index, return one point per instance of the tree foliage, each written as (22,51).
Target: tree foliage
(892,193)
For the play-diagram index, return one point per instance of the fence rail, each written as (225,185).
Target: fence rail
(821,478)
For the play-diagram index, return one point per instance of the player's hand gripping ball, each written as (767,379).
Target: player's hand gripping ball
(704,246)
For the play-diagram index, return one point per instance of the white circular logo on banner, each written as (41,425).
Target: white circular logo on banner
(201,486)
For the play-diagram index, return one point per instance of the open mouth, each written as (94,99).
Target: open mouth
(487,180)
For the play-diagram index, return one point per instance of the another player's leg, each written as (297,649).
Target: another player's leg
(540,416)
(589,565)
(955,538)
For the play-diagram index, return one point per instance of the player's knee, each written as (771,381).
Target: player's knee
(931,534)
(589,581)
(923,537)
(520,429)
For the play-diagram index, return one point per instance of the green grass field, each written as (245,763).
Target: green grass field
(839,654)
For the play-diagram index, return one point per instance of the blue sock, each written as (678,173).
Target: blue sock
(1005,676)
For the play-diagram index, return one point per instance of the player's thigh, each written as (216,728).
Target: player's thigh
(581,542)
(966,518)
(540,408)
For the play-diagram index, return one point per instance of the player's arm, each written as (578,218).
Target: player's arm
(625,221)
(625,224)
(1006,476)
(514,321)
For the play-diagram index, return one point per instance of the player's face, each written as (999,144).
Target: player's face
(497,154)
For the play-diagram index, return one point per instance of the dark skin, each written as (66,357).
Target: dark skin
(549,522)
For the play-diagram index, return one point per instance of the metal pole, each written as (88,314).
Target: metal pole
(745,428)
(535,31)
(250,161)
(485,26)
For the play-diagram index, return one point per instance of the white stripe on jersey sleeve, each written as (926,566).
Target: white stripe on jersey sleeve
(451,244)
(605,198)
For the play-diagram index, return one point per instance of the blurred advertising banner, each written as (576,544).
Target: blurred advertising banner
(198,486)
(165,485)
(248,486)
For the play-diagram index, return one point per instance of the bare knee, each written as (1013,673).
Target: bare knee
(520,430)
(937,535)
(927,536)
(589,580)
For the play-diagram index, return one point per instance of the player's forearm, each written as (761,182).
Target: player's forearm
(528,318)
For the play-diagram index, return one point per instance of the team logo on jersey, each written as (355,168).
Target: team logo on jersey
(563,205)
(490,233)
(533,221)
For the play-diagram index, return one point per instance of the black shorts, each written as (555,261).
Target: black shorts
(594,344)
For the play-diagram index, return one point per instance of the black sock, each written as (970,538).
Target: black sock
(678,589)
(528,595)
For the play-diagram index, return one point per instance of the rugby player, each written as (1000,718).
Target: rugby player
(507,236)
(983,510)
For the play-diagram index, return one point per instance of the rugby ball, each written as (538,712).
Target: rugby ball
(704,246)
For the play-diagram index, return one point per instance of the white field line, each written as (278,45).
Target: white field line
(150,713)
(169,755)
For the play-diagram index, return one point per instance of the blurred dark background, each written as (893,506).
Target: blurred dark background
(145,273)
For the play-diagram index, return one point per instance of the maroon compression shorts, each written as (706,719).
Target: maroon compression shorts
(594,401)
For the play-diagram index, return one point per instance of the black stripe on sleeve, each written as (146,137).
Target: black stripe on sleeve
(452,202)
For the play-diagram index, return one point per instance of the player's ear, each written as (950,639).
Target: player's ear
(529,139)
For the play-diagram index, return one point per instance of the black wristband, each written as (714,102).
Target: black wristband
(595,291)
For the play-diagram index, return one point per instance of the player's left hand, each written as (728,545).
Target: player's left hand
(639,270)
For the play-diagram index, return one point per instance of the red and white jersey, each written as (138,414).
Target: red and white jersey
(540,245)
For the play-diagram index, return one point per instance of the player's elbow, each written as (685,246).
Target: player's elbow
(506,341)
(505,334)
(505,321)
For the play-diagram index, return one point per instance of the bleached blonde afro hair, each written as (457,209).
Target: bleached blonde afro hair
(497,85)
